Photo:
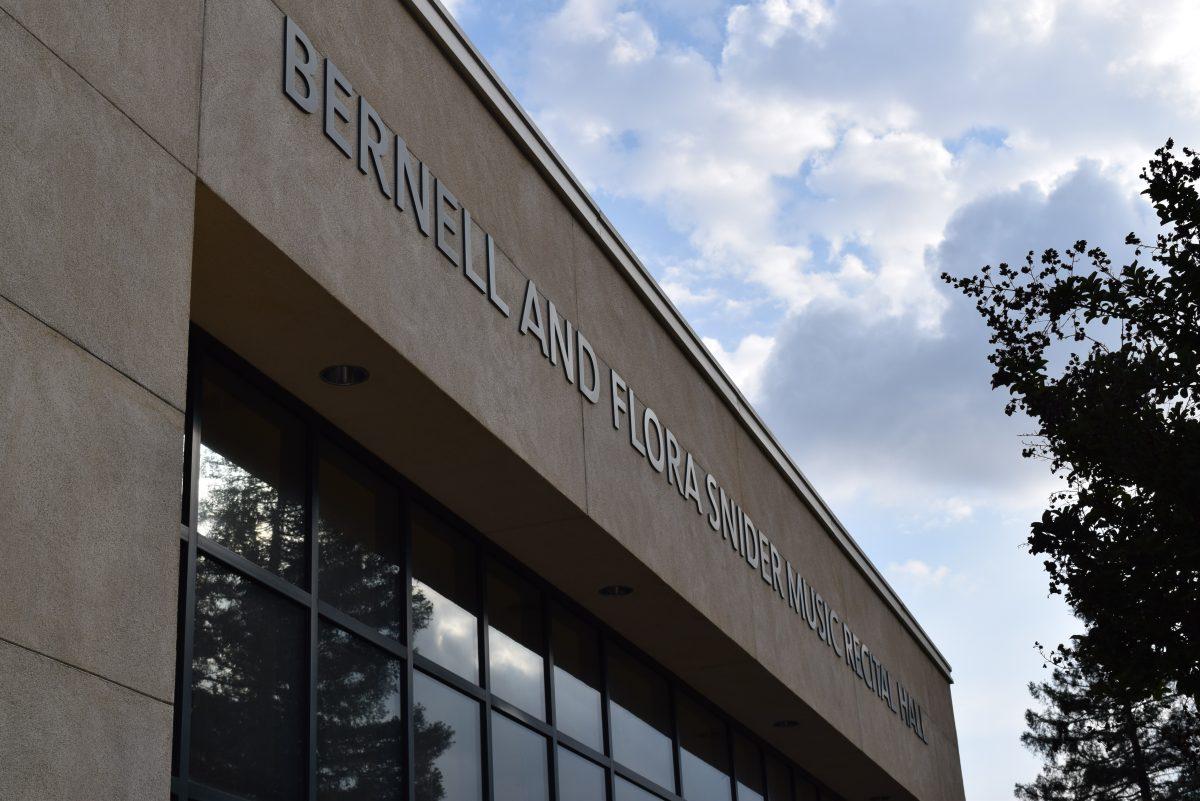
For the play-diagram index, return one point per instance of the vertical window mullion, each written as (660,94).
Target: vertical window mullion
(313,621)
(485,674)
(678,788)
(762,767)
(189,581)
(409,729)
(604,717)
(732,749)
(551,712)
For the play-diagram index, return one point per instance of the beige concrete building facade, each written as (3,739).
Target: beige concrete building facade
(546,510)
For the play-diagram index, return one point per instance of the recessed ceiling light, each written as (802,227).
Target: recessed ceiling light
(616,590)
(344,375)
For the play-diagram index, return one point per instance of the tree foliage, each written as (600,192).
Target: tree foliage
(1101,744)
(1105,361)
(249,658)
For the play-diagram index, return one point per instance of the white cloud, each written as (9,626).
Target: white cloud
(763,24)
(953,510)
(879,408)
(914,572)
(818,164)
(683,295)
(746,362)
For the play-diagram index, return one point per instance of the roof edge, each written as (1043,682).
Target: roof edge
(454,41)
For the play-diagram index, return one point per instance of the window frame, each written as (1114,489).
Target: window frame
(202,347)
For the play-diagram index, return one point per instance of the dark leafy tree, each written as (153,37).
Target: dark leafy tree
(1100,744)
(1105,361)
(249,663)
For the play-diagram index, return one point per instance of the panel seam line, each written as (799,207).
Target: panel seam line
(97,90)
(89,352)
(92,673)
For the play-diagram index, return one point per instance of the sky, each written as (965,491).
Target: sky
(798,173)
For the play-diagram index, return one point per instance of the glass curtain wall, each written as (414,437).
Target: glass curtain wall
(343,638)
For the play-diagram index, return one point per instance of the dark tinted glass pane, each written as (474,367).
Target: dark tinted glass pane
(515,637)
(579,779)
(251,491)
(806,790)
(779,779)
(180,690)
(446,740)
(640,715)
(518,762)
(360,729)
(444,595)
(577,678)
(703,753)
(248,687)
(628,791)
(749,769)
(358,530)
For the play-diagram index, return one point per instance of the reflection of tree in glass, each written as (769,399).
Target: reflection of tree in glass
(249,661)
(248,656)
(430,740)
(247,688)
(359,581)
(250,516)
(360,727)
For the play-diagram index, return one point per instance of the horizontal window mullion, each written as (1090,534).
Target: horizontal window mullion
(360,629)
(582,749)
(252,571)
(447,677)
(641,781)
(521,716)
(185,532)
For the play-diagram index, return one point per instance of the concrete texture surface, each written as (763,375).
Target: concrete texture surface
(284,251)
(89,488)
(143,55)
(95,219)
(272,164)
(66,734)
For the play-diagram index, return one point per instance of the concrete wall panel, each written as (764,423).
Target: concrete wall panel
(143,55)
(89,498)
(67,735)
(811,669)
(272,164)
(626,495)
(398,68)
(95,219)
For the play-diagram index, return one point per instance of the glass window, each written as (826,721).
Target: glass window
(249,687)
(446,741)
(358,531)
(515,641)
(779,779)
(806,789)
(640,715)
(519,764)
(628,791)
(444,595)
(360,728)
(577,700)
(703,753)
(748,769)
(251,490)
(579,779)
